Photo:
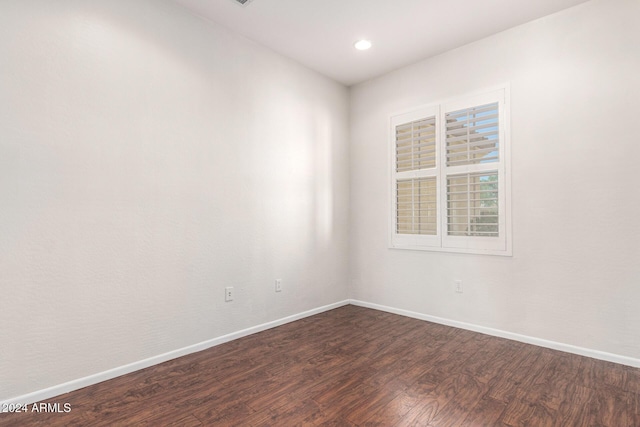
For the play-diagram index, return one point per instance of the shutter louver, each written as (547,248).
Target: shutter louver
(472,135)
(416,145)
(416,207)
(472,204)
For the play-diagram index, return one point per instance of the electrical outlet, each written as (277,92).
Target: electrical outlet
(228,294)
(458,286)
(278,285)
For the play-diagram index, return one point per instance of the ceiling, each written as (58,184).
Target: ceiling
(320,33)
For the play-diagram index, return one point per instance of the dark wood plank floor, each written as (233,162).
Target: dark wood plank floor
(356,366)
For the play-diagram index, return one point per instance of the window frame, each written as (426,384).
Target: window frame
(442,241)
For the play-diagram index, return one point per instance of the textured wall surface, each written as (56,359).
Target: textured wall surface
(148,159)
(575,274)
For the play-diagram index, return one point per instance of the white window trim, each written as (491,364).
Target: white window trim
(442,242)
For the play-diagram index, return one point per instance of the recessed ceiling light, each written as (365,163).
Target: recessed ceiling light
(362,44)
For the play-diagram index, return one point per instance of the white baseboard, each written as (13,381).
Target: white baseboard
(567,348)
(67,387)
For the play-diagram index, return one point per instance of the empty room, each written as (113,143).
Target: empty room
(319,212)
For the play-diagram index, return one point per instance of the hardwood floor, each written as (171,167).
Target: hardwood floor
(359,367)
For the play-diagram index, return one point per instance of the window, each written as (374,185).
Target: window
(450,176)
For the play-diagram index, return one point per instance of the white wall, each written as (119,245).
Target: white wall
(575,96)
(148,159)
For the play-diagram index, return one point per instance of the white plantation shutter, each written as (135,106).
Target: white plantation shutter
(472,204)
(474,178)
(473,135)
(450,167)
(415,182)
(416,145)
(416,211)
